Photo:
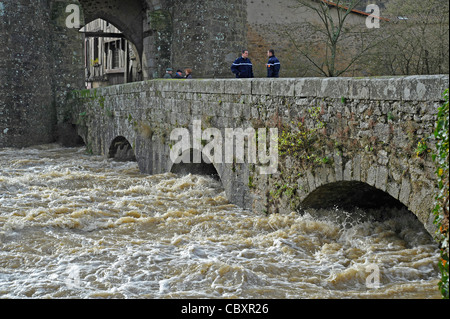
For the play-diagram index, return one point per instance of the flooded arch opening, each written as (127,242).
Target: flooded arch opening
(68,135)
(183,167)
(121,150)
(349,203)
(349,195)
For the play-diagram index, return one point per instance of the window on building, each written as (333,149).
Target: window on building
(115,55)
(96,49)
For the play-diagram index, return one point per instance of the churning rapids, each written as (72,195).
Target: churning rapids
(80,226)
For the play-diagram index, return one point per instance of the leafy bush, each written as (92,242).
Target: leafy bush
(442,198)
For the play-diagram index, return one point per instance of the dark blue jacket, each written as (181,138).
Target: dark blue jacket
(243,68)
(273,67)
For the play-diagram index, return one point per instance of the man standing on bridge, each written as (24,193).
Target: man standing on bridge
(243,67)
(273,66)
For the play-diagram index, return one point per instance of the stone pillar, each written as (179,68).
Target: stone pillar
(204,35)
(27,110)
(40,60)
(157,40)
(208,36)
(68,71)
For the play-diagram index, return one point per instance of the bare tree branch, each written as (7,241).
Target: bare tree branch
(332,17)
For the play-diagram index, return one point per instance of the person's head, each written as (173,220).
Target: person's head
(179,72)
(271,52)
(188,71)
(169,70)
(245,54)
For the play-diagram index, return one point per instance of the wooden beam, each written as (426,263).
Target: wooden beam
(103,35)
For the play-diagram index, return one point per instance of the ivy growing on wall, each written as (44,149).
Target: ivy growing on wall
(442,198)
(301,142)
(300,146)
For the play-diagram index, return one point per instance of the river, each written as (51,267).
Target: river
(74,225)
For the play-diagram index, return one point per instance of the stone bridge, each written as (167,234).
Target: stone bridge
(360,136)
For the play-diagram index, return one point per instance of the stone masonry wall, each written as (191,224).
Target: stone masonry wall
(26,96)
(40,61)
(371,127)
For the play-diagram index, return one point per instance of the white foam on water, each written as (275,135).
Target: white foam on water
(79,226)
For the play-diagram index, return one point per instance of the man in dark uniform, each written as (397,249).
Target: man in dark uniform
(273,66)
(243,67)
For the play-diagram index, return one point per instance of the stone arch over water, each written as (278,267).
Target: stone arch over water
(204,168)
(121,150)
(349,203)
(349,194)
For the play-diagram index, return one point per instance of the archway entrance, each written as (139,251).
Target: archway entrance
(109,58)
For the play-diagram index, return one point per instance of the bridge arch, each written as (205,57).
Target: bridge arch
(355,202)
(121,150)
(350,194)
(125,15)
(365,183)
(208,168)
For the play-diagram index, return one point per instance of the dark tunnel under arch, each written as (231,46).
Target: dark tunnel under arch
(348,195)
(203,168)
(121,150)
(358,200)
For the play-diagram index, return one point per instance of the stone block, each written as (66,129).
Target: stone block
(405,191)
(303,188)
(338,168)
(237,110)
(389,88)
(372,175)
(334,88)
(255,112)
(423,88)
(359,89)
(199,86)
(247,111)
(183,85)
(262,86)
(348,170)
(393,189)
(357,168)
(444,82)
(382,177)
(242,86)
(318,178)
(311,181)
(212,86)
(283,87)
(382,131)
(197,107)
(331,177)
(227,108)
(307,87)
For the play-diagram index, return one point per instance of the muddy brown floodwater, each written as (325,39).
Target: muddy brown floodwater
(80,226)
